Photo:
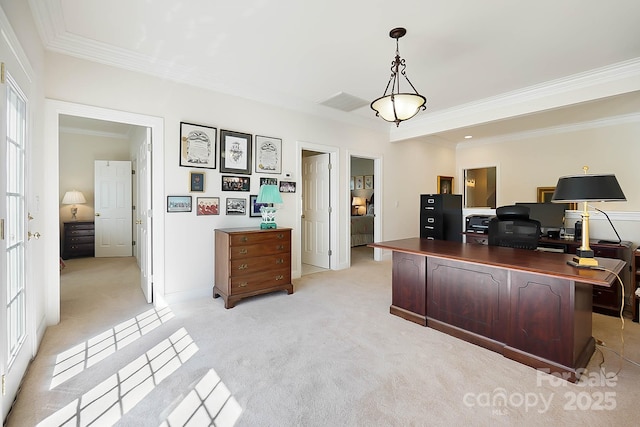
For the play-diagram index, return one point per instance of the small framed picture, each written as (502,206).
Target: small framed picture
(368,182)
(359,182)
(235,183)
(352,183)
(268,181)
(254,207)
(197,182)
(268,154)
(445,184)
(235,152)
(287,187)
(178,203)
(236,206)
(208,206)
(197,146)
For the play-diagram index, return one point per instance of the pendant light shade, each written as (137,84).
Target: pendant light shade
(398,106)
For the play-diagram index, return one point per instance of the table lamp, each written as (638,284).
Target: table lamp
(73,198)
(357,202)
(268,194)
(587,188)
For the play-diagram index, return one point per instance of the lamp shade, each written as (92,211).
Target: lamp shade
(398,107)
(73,197)
(269,194)
(357,201)
(588,188)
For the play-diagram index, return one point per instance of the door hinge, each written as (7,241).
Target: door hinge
(133,207)
(329,252)
(329,209)
(133,171)
(329,166)
(2,229)
(133,243)
(2,72)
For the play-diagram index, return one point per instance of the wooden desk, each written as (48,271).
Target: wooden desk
(529,306)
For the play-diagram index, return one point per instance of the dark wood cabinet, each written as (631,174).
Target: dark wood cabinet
(251,261)
(78,239)
(635,272)
(441,217)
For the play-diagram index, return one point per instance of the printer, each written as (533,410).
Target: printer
(477,224)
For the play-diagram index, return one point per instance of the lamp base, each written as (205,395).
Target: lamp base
(267,225)
(585,261)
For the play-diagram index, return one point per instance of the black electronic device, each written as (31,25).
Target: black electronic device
(514,233)
(477,224)
(550,215)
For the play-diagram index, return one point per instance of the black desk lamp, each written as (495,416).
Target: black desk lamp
(587,188)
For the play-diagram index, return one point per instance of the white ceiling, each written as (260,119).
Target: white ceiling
(296,54)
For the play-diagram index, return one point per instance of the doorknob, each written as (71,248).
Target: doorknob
(138,221)
(97,213)
(303,216)
(35,235)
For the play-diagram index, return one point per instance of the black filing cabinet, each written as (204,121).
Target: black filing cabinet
(441,217)
(79,239)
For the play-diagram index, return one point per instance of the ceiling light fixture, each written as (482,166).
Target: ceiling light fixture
(397,106)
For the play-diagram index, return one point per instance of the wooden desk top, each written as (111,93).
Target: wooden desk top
(553,264)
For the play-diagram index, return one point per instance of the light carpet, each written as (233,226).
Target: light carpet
(330,354)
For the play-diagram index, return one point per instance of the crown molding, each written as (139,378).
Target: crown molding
(100,134)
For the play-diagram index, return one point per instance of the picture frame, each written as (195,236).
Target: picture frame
(445,184)
(197,146)
(236,206)
(208,206)
(178,203)
(287,187)
(196,181)
(254,207)
(235,183)
(544,195)
(352,183)
(235,152)
(359,182)
(268,154)
(368,182)
(268,181)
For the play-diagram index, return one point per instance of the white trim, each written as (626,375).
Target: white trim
(53,109)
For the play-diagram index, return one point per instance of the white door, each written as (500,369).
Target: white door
(14,251)
(113,206)
(315,210)
(143,220)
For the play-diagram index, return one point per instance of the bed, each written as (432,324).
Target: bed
(361,230)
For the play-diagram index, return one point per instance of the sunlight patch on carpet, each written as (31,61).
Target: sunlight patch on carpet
(73,361)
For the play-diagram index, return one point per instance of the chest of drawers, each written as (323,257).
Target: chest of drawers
(250,261)
(79,240)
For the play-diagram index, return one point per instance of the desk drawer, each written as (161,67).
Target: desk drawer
(606,297)
(251,251)
(258,281)
(248,266)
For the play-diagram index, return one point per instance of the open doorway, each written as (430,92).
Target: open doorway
(362,205)
(154,131)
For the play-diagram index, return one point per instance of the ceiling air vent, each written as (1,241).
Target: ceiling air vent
(344,102)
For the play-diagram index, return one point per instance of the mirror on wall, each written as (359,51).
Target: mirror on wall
(480,188)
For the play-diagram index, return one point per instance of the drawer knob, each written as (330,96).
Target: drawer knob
(280,247)
(244,239)
(279,277)
(243,251)
(280,261)
(243,267)
(244,284)
(280,236)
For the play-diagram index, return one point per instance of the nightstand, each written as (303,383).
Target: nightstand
(79,239)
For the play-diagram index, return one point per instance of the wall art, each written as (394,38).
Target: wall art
(197,146)
(235,183)
(235,152)
(178,203)
(196,180)
(208,206)
(236,206)
(268,154)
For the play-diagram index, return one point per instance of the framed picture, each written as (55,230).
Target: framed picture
(236,206)
(268,181)
(235,152)
(546,193)
(254,207)
(268,154)
(287,187)
(197,146)
(196,180)
(178,203)
(208,206)
(352,184)
(359,182)
(368,182)
(445,184)
(235,183)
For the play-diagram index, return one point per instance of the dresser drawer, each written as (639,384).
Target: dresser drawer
(79,232)
(74,240)
(259,281)
(246,266)
(251,251)
(259,238)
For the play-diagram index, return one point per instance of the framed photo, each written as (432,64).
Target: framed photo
(546,193)
(352,184)
(268,181)
(235,183)
(235,152)
(197,146)
(445,184)
(287,187)
(208,206)
(268,154)
(197,182)
(359,182)
(254,207)
(368,182)
(178,203)
(236,206)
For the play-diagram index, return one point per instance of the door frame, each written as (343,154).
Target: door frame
(334,259)
(377,207)
(53,110)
